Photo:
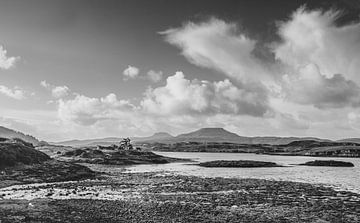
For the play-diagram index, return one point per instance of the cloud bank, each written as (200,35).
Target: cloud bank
(183,96)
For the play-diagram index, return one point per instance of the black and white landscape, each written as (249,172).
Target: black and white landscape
(179,111)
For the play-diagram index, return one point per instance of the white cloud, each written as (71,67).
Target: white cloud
(60,91)
(56,91)
(5,61)
(309,86)
(155,76)
(312,37)
(15,93)
(131,72)
(218,45)
(87,111)
(45,84)
(322,65)
(183,96)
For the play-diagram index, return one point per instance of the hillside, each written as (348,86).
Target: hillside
(9,133)
(17,152)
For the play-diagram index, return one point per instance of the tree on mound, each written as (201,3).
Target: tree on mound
(16,152)
(125,144)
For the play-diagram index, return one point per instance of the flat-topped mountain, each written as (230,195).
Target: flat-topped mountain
(10,134)
(213,135)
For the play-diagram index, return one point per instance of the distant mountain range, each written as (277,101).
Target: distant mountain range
(201,135)
(9,133)
(353,140)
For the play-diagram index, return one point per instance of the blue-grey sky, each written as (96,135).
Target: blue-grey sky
(80,69)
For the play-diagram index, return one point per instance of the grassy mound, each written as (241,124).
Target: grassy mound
(17,152)
(123,157)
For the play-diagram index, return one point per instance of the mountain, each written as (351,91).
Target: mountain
(9,133)
(201,135)
(222,135)
(211,135)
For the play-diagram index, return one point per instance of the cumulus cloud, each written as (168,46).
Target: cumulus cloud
(183,96)
(131,72)
(155,76)
(60,91)
(87,111)
(218,45)
(334,49)
(56,91)
(45,84)
(5,61)
(16,93)
(323,65)
(309,86)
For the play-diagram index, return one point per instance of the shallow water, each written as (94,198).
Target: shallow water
(340,178)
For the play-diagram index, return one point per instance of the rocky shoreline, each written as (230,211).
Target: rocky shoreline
(164,197)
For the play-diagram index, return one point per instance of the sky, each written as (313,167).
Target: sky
(93,68)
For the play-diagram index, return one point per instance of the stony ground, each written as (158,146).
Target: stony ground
(150,197)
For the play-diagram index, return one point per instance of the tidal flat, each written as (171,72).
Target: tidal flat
(166,197)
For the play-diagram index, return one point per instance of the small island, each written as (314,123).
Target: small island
(333,163)
(238,164)
(122,154)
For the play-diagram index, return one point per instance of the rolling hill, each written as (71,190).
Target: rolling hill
(353,140)
(160,136)
(9,133)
